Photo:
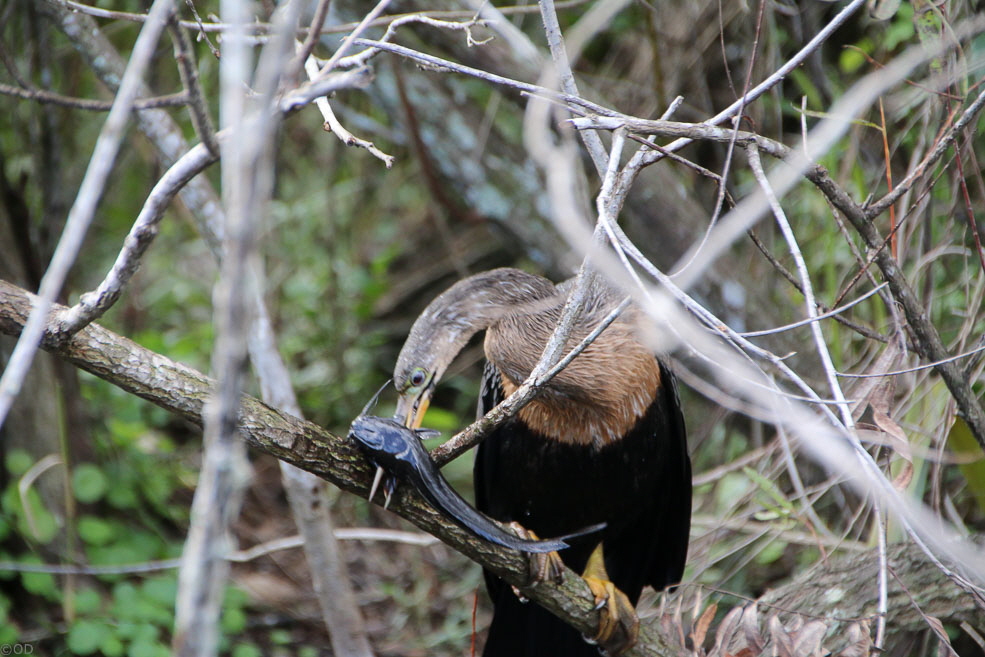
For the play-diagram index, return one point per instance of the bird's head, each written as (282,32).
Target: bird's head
(415,380)
(446,325)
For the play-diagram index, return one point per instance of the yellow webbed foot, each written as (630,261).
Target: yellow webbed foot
(619,626)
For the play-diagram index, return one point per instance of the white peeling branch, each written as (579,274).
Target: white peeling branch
(93,304)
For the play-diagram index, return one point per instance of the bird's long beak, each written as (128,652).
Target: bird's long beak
(411,409)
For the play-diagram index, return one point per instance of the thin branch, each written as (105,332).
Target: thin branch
(188,72)
(100,165)
(310,41)
(51,98)
(562,70)
(361,58)
(816,318)
(93,305)
(262,29)
(917,368)
(331,123)
(350,40)
(446,65)
(373,534)
(314,90)
(806,288)
(200,26)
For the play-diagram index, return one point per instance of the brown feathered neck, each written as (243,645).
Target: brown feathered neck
(601,394)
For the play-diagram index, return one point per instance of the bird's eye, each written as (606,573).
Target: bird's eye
(418,377)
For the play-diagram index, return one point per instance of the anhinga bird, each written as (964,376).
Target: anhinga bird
(603,442)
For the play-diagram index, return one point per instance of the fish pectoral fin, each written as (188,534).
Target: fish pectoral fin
(541,566)
(619,626)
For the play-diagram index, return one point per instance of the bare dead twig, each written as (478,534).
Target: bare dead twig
(188,72)
(260,29)
(447,65)
(307,47)
(48,97)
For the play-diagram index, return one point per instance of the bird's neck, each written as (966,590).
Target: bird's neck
(597,398)
(475,303)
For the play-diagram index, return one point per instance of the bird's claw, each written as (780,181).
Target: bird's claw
(619,626)
(542,567)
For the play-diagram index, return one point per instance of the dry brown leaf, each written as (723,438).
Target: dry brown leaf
(944,648)
(745,652)
(672,633)
(750,629)
(726,632)
(859,641)
(902,480)
(782,642)
(701,627)
(897,437)
(807,640)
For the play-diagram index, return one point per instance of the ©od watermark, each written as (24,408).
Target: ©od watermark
(16,649)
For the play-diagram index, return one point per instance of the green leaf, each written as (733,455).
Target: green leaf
(123,495)
(771,552)
(42,584)
(246,650)
(87,601)
(96,531)
(86,636)
(281,637)
(147,648)
(112,646)
(161,590)
(88,482)
(233,621)
(18,461)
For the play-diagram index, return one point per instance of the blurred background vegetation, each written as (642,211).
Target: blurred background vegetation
(92,475)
